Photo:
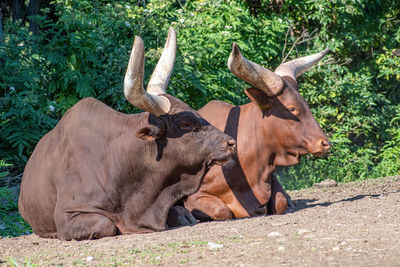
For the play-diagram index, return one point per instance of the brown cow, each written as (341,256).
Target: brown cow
(275,129)
(100,172)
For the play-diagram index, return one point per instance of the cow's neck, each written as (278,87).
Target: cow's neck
(254,147)
(129,154)
(148,189)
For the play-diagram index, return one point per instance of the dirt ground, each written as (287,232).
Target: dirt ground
(353,224)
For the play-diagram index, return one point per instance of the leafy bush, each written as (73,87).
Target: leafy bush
(354,96)
(354,93)
(11,223)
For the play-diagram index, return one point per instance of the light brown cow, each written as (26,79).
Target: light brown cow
(275,129)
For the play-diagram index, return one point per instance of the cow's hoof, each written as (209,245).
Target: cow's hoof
(179,216)
(291,204)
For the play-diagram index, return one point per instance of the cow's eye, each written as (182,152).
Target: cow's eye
(293,110)
(185,126)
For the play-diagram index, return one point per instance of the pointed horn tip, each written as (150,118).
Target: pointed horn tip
(138,42)
(171,29)
(171,32)
(137,38)
(325,51)
(171,37)
(234,53)
(235,49)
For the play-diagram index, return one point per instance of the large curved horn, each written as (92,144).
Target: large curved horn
(296,67)
(159,79)
(253,73)
(133,84)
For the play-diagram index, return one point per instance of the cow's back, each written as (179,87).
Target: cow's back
(216,112)
(49,175)
(38,195)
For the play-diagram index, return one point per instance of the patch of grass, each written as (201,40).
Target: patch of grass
(14,263)
(236,238)
(199,243)
(135,251)
(116,262)
(77,262)
(11,222)
(183,261)
(297,235)
(155,254)
(172,245)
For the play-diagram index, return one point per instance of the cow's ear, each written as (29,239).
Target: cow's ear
(149,133)
(258,97)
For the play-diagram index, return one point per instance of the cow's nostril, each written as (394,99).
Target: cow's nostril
(231,143)
(326,143)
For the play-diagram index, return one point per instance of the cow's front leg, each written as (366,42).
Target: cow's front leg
(80,226)
(155,216)
(279,198)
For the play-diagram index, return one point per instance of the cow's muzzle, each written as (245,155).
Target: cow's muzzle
(225,152)
(323,147)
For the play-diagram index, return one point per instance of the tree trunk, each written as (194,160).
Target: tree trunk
(33,10)
(1,29)
(18,10)
(1,37)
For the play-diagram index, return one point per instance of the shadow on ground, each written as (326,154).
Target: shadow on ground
(311,203)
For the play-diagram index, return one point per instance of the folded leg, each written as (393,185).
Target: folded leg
(79,226)
(206,208)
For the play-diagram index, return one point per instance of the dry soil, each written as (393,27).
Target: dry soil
(353,224)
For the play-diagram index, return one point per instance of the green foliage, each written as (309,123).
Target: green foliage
(23,122)
(27,263)
(3,164)
(11,223)
(390,155)
(355,98)
(354,94)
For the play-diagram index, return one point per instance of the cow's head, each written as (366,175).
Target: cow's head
(172,123)
(287,120)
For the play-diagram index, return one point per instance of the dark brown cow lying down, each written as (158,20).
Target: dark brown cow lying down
(275,129)
(100,172)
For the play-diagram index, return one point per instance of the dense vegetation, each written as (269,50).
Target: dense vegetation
(11,223)
(72,49)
